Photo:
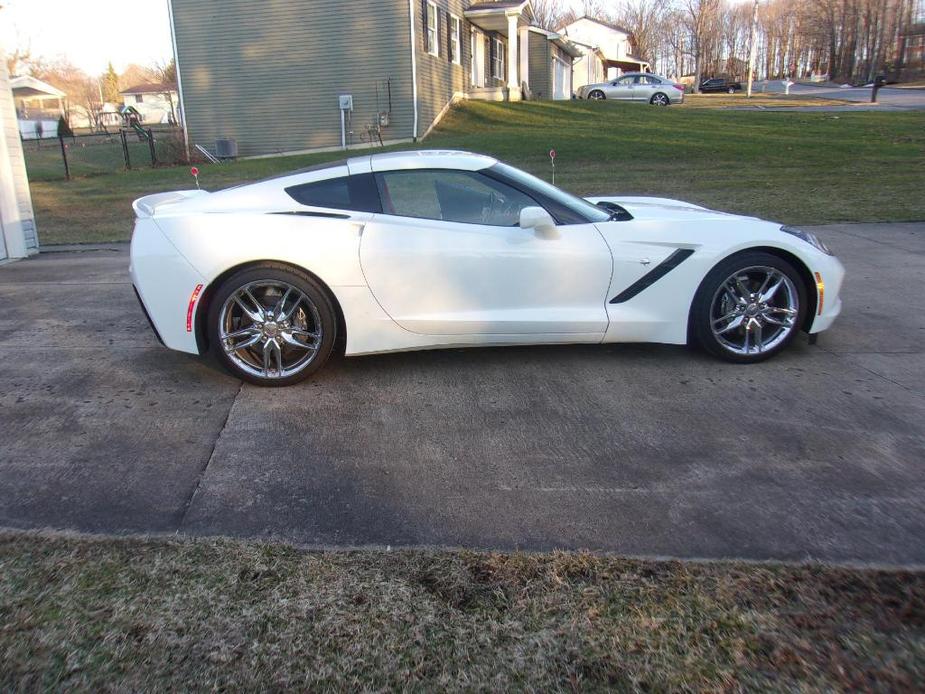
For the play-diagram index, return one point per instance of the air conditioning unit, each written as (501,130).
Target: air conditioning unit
(226,149)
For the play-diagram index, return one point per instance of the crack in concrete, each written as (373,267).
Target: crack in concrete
(842,355)
(205,468)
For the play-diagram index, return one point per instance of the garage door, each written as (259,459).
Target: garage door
(561,89)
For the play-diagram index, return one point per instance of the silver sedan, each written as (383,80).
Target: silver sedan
(635,86)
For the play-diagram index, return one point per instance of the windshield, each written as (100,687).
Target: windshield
(582,208)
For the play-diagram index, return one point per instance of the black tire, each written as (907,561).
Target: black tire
(732,90)
(702,310)
(316,307)
(660,99)
(596,95)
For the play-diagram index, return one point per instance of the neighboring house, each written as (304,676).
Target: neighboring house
(912,46)
(17,221)
(270,75)
(107,116)
(590,67)
(614,43)
(37,102)
(550,64)
(157,102)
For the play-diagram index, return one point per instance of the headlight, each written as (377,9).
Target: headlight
(809,237)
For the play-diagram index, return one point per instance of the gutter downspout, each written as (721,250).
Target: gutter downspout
(414,71)
(176,64)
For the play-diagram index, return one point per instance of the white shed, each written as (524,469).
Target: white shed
(17,221)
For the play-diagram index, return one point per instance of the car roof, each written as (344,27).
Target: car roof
(420,159)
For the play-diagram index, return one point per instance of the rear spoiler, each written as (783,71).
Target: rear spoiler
(146,206)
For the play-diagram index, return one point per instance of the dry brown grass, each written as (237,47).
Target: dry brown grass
(758,100)
(131,615)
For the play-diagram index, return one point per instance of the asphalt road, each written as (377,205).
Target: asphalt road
(643,450)
(888,98)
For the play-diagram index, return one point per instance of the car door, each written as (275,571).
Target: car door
(620,88)
(447,257)
(643,88)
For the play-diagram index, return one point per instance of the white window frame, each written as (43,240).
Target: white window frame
(433,32)
(497,65)
(456,39)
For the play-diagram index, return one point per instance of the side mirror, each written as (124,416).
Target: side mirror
(539,220)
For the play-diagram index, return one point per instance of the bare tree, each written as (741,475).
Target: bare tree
(701,19)
(645,18)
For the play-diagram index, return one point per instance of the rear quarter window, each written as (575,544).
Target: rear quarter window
(357,193)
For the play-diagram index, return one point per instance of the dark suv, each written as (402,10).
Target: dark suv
(720,84)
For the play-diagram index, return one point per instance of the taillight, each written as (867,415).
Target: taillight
(679,87)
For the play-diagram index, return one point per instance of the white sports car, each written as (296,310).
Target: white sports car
(425,249)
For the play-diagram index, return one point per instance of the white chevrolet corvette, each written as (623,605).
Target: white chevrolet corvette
(426,249)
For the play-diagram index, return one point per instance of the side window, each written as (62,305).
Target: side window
(432,37)
(356,193)
(624,82)
(451,196)
(646,79)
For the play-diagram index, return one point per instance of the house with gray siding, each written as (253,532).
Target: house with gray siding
(271,75)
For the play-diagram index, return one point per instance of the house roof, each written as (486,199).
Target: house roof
(559,40)
(151,88)
(609,25)
(30,86)
(590,49)
(499,5)
(492,16)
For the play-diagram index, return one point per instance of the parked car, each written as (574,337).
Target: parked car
(430,249)
(720,84)
(635,86)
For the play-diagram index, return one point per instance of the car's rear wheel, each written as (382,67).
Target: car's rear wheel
(732,90)
(749,307)
(597,95)
(271,325)
(659,99)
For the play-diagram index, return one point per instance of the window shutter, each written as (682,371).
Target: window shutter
(491,56)
(425,34)
(449,37)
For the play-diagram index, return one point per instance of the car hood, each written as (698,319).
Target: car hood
(645,208)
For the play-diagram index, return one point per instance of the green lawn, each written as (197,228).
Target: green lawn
(799,168)
(159,615)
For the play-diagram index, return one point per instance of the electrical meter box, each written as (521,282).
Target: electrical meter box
(346,102)
(384,119)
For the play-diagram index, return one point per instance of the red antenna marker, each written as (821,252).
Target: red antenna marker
(552,158)
(195,172)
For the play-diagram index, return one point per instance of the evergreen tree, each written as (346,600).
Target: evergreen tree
(110,84)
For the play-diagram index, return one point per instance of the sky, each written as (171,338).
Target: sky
(89,33)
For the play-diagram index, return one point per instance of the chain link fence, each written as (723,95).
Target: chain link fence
(121,149)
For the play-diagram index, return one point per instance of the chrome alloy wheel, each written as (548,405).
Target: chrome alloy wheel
(754,310)
(596,95)
(660,100)
(270,329)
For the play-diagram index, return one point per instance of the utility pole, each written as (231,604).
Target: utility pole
(752,49)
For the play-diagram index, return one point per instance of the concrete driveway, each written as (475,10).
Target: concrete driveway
(636,449)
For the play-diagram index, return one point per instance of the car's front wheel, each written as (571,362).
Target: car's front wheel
(749,307)
(732,90)
(271,325)
(596,95)
(659,100)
